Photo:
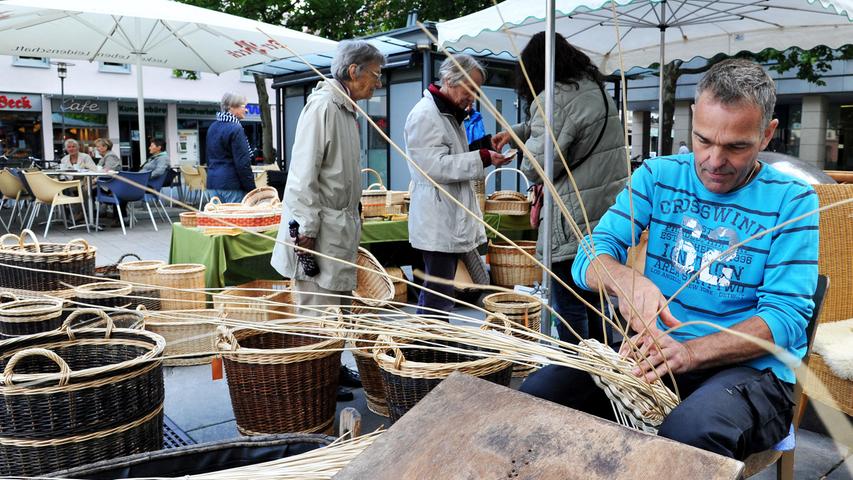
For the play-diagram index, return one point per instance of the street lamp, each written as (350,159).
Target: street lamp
(62,71)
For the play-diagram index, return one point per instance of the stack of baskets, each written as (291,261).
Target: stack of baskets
(411,376)
(507,202)
(50,268)
(143,276)
(522,311)
(257,301)
(182,286)
(190,334)
(510,267)
(260,211)
(73,398)
(373,287)
(281,382)
(29,316)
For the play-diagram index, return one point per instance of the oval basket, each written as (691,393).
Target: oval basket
(510,267)
(104,294)
(190,334)
(69,398)
(95,317)
(263,197)
(523,311)
(189,219)
(237,215)
(300,369)
(373,287)
(45,267)
(409,376)
(182,286)
(29,316)
(143,276)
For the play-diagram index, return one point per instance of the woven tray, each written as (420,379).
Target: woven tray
(266,197)
(44,267)
(510,267)
(189,334)
(281,382)
(105,401)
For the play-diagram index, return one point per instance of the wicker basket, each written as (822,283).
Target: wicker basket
(507,202)
(373,287)
(218,215)
(189,219)
(264,197)
(409,376)
(257,301)
(104,294)
(401,290)
(281,382)
(522,311)
(44,267)
(110,272)
(189,334)
(95,317)
(479,187)
(374,200)
(183,286)
(510,267)
(143,276)
(29,316)
(105,401)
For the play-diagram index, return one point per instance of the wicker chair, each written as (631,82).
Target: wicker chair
(50,192)
(836,262)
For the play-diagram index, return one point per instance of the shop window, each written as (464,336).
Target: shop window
(31,62)
(374,148)
(20,137)
(839,137)
(112,67)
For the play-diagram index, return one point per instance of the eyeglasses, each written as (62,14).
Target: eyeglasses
(378,75)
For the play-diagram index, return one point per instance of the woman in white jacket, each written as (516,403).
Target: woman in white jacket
(436,142)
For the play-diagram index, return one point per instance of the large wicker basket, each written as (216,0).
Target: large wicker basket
(49,268)
(523,311)
(510,267)
(105,400)
(29,316)
(104,294)
(373,287)
(190,334)
(182,286)
(143,276)
(410,372)
(257,301)
(281,382)
(95,317)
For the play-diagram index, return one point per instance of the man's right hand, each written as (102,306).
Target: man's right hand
(305,242)
(498,160)
(646,299)
(499,140)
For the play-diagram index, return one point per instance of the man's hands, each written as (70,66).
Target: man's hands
(499,140)
(654,360)
(646,298)
(498,160)
(304,242)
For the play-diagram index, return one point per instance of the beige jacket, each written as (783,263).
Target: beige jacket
(323,189)
(84,161)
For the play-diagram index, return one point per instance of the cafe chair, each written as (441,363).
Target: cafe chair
(195,181)
(13,190)
(48,191)
(157,185)
(121,191)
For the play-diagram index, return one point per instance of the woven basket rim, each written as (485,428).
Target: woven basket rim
(527,244)
(316,347)
(151,317)
(93,290)
(188,214)
(180,268)
(15,310)
(364,255)
(138,265)
(531,302)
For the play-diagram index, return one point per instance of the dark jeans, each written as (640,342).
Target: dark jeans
(732,411)
(584,320)
(440,265)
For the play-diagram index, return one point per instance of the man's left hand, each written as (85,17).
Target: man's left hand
(653,361)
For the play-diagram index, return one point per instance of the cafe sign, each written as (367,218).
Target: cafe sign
(79,105)
(20,102)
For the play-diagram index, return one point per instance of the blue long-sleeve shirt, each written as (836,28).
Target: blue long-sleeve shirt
(772,277)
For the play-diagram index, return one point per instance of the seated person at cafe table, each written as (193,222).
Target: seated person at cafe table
(109,162)
(75,159)
(158,162)
(736,397)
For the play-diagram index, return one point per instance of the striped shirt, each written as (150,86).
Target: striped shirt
(772,277)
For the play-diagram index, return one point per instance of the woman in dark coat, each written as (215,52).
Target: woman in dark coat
(229,161)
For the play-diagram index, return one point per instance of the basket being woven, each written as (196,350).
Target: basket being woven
(257,301)
(69,398)
(510,267)
(524,312)
(182,286)
(44,267)
(409,376)
(143,276)
(373,287)
(189,334)
(29,316)
(281,382)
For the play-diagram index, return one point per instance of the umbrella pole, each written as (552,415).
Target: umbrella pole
(140,106)
(660,152)
(548,160)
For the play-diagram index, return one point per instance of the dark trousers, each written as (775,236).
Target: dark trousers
(732,411)
(440,265)
(584,320)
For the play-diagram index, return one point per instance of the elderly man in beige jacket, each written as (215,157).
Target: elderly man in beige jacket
(324,181)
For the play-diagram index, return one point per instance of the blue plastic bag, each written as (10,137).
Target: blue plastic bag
(474,127)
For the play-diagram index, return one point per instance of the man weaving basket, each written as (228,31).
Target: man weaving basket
(736,398)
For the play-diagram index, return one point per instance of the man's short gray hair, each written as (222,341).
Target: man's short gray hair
(740,81)
(451,75)
(231,99)
(73,142)
(358,52)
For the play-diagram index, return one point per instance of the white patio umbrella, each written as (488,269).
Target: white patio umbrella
(702,28)
(158,33)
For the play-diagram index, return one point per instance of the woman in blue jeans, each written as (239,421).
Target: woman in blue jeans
(229,161)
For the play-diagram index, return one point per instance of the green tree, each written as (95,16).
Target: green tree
(810,65)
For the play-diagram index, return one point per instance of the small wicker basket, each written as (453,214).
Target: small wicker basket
(374,199)
(510,267)
(189,219)
(373,287)
(523,311)
(143,276)
(257,301)
(262,197)
(183,286)
(507,202)
(190,334)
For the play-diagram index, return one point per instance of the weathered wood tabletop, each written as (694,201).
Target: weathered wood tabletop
(469,428)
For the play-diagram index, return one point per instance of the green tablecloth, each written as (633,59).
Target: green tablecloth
(236,259)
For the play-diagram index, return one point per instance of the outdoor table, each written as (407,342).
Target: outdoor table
(86,176)
(235,259)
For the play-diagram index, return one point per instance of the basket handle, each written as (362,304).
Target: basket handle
(375,173)
(526,181)
(66,325)
(10,295)
(64,369)
(492,320)
(225,339)
(213,204)
(379,187)
(9,235)
(121,258)
(29,233)
(77,240)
